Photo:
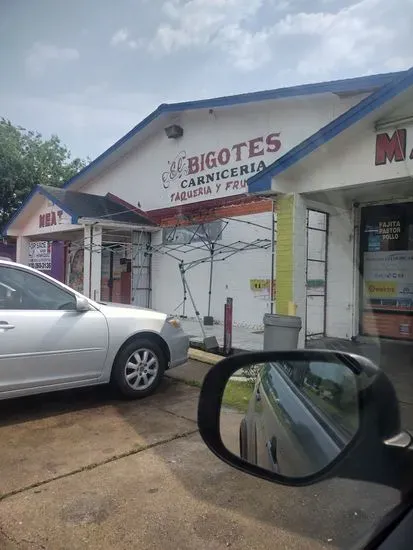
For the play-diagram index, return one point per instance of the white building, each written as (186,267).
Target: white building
(358,170)
(173,193)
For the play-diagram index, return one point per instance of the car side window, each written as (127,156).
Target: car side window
(332,390)
(21,289)
(328,387)
(287,368)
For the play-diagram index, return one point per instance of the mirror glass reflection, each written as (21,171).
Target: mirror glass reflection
(292,418)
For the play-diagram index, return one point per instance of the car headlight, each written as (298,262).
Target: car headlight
(174,322)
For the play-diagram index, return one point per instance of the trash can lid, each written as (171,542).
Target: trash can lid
(273,319)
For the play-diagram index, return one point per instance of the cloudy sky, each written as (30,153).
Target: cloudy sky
(89,70)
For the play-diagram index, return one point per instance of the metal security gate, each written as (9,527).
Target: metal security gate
(141,269)
(316,273)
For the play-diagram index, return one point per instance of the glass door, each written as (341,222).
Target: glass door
(386,267)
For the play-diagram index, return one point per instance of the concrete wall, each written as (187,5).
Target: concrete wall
(45,218)
(231,278)
(342,299)
(349,160)
(137,177)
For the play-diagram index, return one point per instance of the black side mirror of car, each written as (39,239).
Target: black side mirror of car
(298,417)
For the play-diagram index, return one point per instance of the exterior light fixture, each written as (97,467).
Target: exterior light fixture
(174,131)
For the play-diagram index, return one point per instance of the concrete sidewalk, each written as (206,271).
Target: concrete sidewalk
(242,337)
(192,372)
(84,469)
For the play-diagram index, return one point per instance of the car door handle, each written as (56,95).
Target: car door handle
(5,326)
(272,451)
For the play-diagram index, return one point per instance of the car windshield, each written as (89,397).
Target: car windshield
(242,166)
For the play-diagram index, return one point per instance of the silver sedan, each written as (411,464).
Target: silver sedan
(53,338)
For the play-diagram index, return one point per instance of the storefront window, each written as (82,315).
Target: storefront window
(387,271)
(116,276)
(75,276)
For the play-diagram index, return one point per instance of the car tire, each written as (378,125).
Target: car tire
(139,368)
(243,440)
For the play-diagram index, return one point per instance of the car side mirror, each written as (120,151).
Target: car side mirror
(82,304)
(298,417)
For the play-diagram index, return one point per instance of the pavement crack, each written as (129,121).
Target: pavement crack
(180,416)
(18,542)
(7,536)
(33,543)
(95,465)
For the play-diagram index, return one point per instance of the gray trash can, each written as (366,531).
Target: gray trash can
(281,332)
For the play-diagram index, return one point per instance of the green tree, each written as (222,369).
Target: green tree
(27,160)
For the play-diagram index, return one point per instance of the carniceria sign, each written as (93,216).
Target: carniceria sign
(221,172)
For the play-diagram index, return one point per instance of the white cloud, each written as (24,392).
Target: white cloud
(119,37)
(217,23)
(122,37)
(356,36)
(399,62)
(367,32)
(40,56)
(247,50)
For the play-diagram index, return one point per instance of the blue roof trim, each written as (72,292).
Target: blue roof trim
(56,201)
(138,128)
(19,210)
(42,191)
(358,84)
(262,181)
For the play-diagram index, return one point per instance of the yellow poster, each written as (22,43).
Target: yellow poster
(259,284)
(261,288)
(381,289)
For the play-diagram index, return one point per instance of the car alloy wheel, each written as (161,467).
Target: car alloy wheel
(141,369)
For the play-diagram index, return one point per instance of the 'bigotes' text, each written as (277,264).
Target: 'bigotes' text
(197,176)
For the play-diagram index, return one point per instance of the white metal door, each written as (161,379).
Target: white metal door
(316,273)
(141,269)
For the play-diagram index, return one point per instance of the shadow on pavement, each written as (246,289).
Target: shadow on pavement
(65,431)
(36,407)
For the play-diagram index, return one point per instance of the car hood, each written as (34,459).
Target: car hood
(125,306)
(127,310)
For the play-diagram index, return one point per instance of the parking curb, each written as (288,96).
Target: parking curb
(204,356)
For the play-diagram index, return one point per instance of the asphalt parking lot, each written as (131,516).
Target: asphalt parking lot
(83,470)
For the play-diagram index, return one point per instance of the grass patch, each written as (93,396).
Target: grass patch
(237,394)
(193,383)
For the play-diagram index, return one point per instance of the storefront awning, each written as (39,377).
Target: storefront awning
(96,207)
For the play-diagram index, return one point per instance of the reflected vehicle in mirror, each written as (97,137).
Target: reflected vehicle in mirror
(295,417)
(302,416)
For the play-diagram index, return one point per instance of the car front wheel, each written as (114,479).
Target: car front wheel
(139,368)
